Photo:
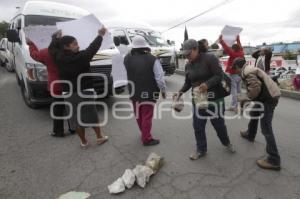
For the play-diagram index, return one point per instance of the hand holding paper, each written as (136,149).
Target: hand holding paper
(230,34)
(102,31)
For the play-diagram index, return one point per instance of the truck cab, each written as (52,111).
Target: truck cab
(164,50)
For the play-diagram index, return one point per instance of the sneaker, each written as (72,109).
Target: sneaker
(197,155)
(152,142)
(244,134)
(233,109)
(265,164)
(230,148)
(84,146)
(56,134)
(102,140)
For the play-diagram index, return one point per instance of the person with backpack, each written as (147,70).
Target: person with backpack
(204,74)
(265,93)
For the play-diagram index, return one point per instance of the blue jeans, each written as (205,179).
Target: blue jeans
(236,82)
(266,129)
(217,120)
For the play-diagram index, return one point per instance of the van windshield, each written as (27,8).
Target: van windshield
(35,20)
(153,38)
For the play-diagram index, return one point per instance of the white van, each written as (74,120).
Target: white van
(124,31)
(31,75)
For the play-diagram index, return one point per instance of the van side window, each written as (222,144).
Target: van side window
(120,34)
(19,24)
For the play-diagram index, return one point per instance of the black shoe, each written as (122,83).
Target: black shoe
(244,134)
(151,142)
(72,132)
(57,134)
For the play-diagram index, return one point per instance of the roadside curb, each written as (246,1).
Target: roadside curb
(284,93)
(290,94)
(179,72)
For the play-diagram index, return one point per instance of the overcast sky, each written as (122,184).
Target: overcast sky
(262,20)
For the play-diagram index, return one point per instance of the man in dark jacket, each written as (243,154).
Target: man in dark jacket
(145,73)
(263,59)
(71,64)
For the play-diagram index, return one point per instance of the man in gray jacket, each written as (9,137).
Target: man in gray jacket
(265,92)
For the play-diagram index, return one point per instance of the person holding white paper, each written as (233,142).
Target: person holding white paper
(234,52)
(43,56)
(72,63)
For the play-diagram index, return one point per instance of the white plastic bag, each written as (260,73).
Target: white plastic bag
(117,187)
(128,178)
(142,174)
(200,99)
(154,161)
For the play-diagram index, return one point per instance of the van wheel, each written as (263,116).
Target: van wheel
(2,63)
(9,66)
(27,98)
(18,80)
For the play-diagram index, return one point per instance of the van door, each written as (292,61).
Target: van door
(17,48)
(122,38)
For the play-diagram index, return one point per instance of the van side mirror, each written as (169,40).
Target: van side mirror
(117,41)
(13,36)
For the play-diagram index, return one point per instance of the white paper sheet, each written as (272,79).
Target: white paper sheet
(41,36)
(119,72)
(85,31)
(230,33)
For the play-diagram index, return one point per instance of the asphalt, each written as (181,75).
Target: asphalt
(35,165)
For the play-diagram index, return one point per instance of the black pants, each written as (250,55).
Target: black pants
(217,120)
(266,129)
(58,111)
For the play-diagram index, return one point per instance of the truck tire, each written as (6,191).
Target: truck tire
(9,66)
(18,79)
(27,98)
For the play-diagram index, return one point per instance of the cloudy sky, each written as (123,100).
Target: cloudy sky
(262,20)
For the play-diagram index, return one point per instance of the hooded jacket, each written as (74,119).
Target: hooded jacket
(260,87)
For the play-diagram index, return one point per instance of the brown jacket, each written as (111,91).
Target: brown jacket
(254,79)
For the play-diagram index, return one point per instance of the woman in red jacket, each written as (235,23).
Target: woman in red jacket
(234,52)
(45,58)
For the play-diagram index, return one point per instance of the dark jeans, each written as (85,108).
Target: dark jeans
(266,129)
(217,120)
(58,111)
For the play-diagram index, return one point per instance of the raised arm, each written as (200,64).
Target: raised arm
(226,48)
(239,42)
(35,53)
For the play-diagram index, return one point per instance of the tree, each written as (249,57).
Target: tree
(3,28)
(214,46)
(186,35)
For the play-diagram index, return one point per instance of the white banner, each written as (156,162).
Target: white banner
(230,33)
(40,35)
(85,31)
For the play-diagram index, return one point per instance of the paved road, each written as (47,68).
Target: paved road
(34,165)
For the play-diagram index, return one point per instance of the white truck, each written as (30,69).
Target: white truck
(163,49)
(31,75)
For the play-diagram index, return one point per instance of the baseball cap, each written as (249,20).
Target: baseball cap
(188,46)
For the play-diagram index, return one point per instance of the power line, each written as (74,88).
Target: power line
(198,15)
